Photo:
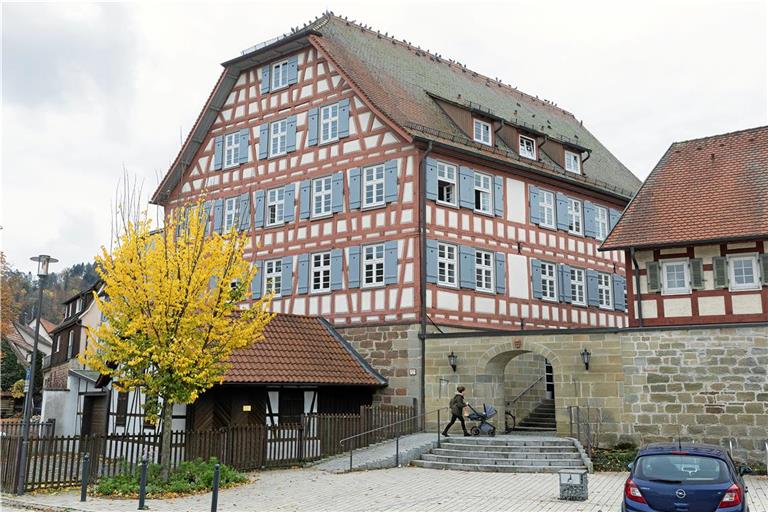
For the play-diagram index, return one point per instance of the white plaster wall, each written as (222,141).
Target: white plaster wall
(749,304)
(517,276)
(677,307)
(711,305)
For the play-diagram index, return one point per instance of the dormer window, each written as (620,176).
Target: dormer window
(482,132)
(573,162)
(279,75)
(527,147)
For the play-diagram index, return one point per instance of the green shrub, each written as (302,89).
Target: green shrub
(189,477)
(614,459)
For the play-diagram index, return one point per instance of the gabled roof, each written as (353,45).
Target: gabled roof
(713,189)
(400,81)
(301,350)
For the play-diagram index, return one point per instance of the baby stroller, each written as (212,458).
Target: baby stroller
(483,427)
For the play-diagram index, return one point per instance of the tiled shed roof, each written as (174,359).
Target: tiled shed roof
(702,190)
(301,350)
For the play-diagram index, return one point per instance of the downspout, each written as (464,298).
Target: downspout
(423,276)
(589,154)
(636,272)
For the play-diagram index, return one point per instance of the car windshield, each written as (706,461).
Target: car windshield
(690,469)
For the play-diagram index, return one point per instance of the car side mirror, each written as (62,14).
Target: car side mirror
(630,466)
(745,470)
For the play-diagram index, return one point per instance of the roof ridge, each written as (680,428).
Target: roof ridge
(721,135)
(440,59)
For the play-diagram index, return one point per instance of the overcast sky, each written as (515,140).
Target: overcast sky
(88,89)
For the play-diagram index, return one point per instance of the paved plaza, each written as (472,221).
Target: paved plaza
(397,489)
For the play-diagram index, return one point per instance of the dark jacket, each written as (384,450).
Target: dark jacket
(457,404)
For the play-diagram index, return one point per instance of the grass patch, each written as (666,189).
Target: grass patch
(614,459)
(189,477)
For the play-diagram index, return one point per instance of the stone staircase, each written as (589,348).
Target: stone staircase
(505,454)
(542,419)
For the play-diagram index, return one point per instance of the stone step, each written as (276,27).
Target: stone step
(540,430)
(487,467)
(479,454)
(500,441)
(488,461)
(529,421)
(506,449)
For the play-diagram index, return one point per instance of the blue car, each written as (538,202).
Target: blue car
(684,478)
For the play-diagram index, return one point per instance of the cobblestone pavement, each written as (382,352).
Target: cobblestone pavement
(400,489)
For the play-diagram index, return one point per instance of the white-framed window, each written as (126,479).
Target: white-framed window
(373,186)
(275,206)
(231,149)
(483,188)
(547,210)
(321,196)
(373,265)
(80,304)
(273,276)
(484,271)
(446,264)
(279,75)
(329,123)
(604,291)
(58,343)
(601,222)
(675,277)
(70,344)
(743,271)
(575,222)
(482,132)
(548,281)
(278,134)
(573,162)
(446,183)
(527,147)
(578,297)
(230,213)
(321,272)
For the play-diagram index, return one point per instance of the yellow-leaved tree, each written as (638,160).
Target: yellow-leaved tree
(173,312)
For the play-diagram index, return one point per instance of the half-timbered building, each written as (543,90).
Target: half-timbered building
(695,235)
(394,191)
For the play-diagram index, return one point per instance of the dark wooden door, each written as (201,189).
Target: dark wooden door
(94,415)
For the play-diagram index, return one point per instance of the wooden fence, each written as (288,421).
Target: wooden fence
(36,428)
(57,461)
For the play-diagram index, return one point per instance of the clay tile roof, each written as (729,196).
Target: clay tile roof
(301,350)
(47,325)
(704,190)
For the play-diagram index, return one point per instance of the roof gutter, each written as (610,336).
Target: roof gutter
(423,275)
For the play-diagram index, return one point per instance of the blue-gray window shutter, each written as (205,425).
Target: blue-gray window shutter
(498,196)
(244,212)
(534,204)
(344,118)
(303,281)
(337,192)
(431,261)
(218,152)
(290,134)
(256,287)
(304,193)
(289,208)
(467,267)
(501,273)
(264,141)
(390,262)
(286,276)
(245,138)
(218,215)
(719,272)
(653,276)
(466,188)
(355,189)
(697,273)
(592,296)
(258,209)
(265,82)
(564,282)
(431,179)
(390,181)
(590,219)
(312,125)
(353,267)
(207,207)
(764,269)
(562,211)
(336,280)
(614,216)
(293,70)
(536,278)
(619,300)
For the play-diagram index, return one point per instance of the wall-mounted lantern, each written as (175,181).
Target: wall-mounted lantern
(585,356)
(452,360)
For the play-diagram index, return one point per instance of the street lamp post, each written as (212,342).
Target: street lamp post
(42,273)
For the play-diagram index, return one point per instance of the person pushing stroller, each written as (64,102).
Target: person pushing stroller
(457,405)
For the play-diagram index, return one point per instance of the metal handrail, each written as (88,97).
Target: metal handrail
(519,396)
